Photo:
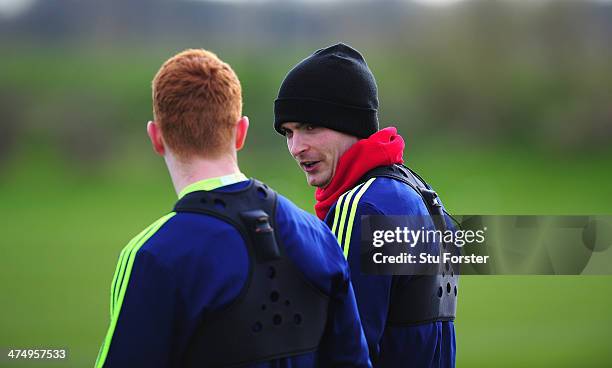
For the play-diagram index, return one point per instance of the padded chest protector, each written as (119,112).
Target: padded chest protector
(278,312)
(422,298)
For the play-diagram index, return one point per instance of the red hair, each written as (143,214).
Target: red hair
(197,101)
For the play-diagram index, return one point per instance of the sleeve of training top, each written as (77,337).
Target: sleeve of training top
(372,292)
(344,343)
(140,334)
(143,306)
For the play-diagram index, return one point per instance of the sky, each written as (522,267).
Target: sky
(9,8)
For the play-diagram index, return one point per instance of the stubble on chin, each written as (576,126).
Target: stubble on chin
(311,181)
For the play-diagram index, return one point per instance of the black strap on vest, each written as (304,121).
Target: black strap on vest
(422,298)
(278,313)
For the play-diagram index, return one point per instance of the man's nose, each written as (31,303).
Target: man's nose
(297,145)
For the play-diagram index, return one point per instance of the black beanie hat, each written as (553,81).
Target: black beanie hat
(332,88)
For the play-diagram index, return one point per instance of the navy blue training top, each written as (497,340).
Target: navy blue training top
(187,265)
(426,345)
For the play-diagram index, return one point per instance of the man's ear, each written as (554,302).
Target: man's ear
(241,132)
(154,132)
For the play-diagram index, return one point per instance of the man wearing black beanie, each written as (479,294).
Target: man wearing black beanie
(327,108)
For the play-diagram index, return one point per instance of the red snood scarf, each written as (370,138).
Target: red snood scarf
(382,148)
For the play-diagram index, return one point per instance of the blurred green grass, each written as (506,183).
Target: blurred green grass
(67,214)
(64,225)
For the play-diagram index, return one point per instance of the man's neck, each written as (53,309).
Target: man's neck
(186,172)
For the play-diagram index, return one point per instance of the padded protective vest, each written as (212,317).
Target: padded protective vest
(278,313)
(423,298)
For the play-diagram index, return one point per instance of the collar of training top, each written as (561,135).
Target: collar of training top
(213,183)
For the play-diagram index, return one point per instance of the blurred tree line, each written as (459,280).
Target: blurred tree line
(76,74)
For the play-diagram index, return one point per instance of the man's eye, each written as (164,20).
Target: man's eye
(287,133)
(309,127)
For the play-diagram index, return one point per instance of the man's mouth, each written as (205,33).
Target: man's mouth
(309,166)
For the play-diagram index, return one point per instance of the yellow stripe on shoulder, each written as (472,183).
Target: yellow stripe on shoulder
(122,277)
(351,219)
(340,204)
(120,269)
(343,216)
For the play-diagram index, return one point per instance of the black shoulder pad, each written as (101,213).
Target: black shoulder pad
(278,313)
